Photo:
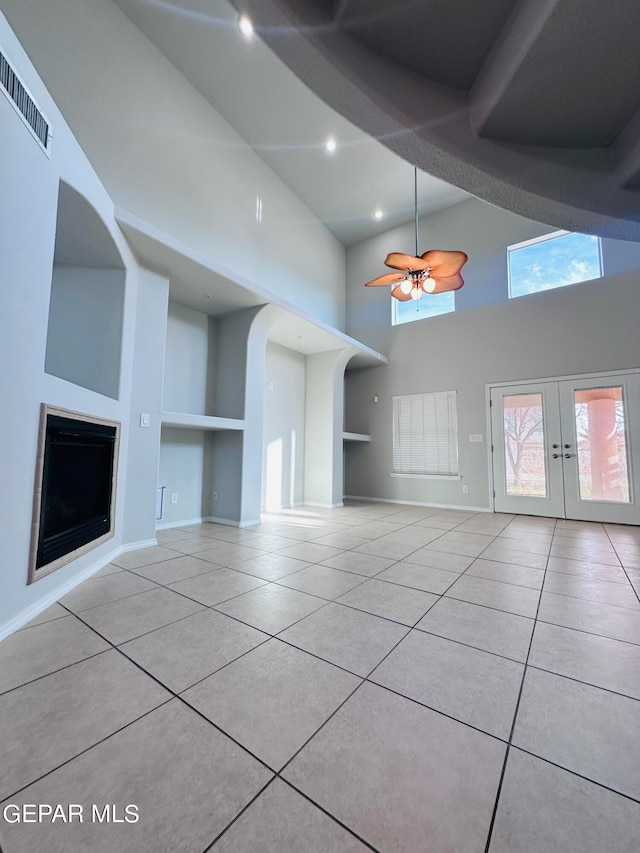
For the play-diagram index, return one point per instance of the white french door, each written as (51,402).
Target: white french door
(568,448)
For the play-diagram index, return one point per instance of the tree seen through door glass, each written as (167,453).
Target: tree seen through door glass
(523,426)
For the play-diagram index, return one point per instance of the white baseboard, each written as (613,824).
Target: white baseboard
(323,506)
(231,522)
(55,595)
(419,503)
(214,519)
(187,522)
(138,546)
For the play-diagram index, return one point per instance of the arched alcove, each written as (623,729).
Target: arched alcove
(84,334)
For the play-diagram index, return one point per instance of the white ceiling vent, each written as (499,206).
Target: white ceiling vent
(24,103)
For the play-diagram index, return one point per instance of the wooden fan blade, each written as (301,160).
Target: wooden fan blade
(387,278)
(399,295)
(400,261)
(444,264)
(443,285)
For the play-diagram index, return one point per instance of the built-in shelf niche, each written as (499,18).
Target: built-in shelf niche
(84,333)
(201,422)
(190,367)
(185,471)
(355,436)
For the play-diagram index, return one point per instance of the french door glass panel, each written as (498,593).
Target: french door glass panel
(527,479)
(523,428)
(568,448)
(601,444)
(600,420)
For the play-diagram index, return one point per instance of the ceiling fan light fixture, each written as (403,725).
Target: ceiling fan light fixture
(330,145)
(435,271)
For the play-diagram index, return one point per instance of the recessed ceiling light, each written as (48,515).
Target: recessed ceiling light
(245,26)
(378,214)
(330,145)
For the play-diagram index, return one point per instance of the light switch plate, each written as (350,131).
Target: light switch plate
(145,420)
(476,437)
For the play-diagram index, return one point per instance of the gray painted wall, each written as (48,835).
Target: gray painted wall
(226,475)
(284,423)
(181,471)
(188,356)
(583,328)
(84,334)
(231,362)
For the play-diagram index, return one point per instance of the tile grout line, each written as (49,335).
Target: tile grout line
(53,671)
(272,636)
(513,722)
(578,775)
(278,775)
(636,593)
(584,631)
(174,695)
(88,748)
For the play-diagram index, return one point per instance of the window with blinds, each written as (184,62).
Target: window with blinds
(425,434)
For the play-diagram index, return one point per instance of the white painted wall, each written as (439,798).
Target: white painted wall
(583,328)
(179,164)
(29,183)
(284,426)
(324,427)
(146,398)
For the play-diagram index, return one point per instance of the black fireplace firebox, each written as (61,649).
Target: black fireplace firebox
(73,510)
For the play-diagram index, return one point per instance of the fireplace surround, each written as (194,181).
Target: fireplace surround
(75,487)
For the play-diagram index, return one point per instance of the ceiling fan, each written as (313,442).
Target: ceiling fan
(435,271)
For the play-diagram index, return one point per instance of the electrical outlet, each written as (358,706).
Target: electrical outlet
(145,420)
(215,496)
(465,490)
(271,386)
(174,497)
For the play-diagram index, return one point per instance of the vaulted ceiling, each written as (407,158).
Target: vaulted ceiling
(285,122)
(532,105)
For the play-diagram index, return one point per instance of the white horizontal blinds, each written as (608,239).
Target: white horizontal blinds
(425,434)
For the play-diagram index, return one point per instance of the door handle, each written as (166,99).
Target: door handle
(567,446)
(556,455)
(555,446)
(568,455)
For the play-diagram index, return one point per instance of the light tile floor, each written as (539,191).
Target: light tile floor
(376,677)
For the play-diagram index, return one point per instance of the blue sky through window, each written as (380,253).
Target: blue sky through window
(553,262)
(428,306)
